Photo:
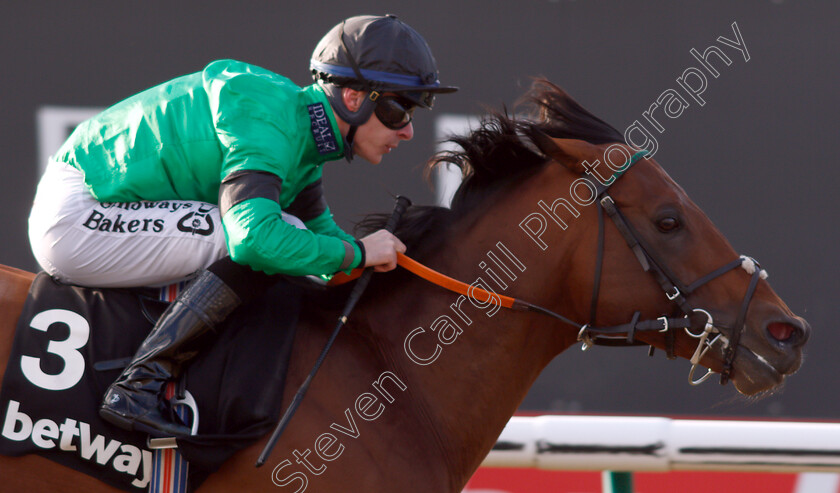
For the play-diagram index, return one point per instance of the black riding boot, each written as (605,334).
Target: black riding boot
(134,401)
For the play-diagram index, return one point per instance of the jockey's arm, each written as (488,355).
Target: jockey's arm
(257,236)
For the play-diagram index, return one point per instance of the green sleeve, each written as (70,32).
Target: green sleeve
(258,237)
(325,224)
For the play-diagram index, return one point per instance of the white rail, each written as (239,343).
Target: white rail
(613,443)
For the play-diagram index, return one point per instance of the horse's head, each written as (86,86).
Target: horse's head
(632,258)
(664,265)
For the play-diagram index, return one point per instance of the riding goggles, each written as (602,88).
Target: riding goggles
(393,111)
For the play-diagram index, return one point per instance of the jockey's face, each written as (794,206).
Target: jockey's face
(373,139)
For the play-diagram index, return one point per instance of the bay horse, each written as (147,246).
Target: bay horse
(421,382)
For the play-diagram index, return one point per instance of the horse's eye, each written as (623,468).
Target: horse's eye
(668,224)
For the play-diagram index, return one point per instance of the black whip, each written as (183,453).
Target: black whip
(399,208)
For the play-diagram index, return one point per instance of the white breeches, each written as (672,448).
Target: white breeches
(127,244)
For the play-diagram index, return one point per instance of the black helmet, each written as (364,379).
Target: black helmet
(381,54)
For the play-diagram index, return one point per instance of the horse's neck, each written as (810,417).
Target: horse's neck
(465,396)
(14,285)
(458,402)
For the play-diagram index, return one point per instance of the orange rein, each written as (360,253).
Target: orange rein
(434,277)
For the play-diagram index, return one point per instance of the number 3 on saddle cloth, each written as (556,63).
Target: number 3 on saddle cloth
(51,390)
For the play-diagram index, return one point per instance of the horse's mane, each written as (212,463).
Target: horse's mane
(494,156)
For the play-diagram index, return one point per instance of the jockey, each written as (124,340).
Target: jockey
(137,194)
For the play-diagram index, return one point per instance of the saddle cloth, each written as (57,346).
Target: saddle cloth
(51,390)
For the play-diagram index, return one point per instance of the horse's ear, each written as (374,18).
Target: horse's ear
(571,153)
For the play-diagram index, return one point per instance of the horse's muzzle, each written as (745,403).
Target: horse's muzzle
(769,355)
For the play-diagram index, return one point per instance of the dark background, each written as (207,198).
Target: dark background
(757,157)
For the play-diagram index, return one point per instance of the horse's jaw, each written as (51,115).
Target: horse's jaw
(753,375)
(756,370)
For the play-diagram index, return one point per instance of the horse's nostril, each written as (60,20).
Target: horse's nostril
(781,331)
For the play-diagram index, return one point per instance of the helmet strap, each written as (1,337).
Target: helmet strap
(358,117)
(348,143)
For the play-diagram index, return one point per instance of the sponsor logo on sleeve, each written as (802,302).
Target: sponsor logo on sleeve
(322,130)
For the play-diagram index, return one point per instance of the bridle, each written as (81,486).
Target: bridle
(697,322)
(676,291)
